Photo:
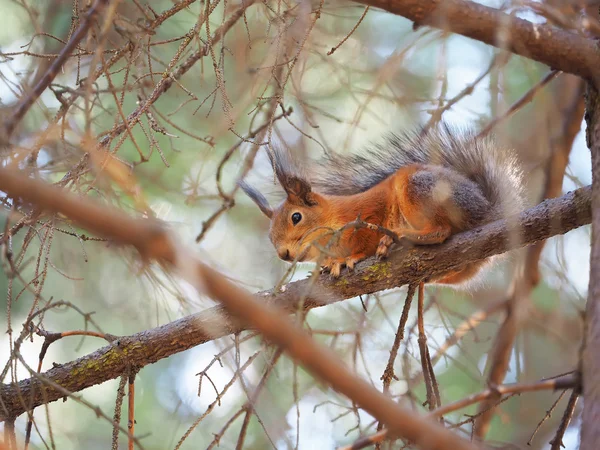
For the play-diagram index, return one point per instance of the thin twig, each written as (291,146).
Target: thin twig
(388,373)
(131,408)
(249,406)
(171,74)
(547,416)
(117,414)
(362,17)
(433,400)
(556,442)
(26,103)
(526,98)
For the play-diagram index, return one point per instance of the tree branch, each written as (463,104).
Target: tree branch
(407,264)
(559,49)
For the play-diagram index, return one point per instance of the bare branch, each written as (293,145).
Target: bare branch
(556,442)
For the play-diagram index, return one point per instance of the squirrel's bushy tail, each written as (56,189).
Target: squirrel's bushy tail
(495,169)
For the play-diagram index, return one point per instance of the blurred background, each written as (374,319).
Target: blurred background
(270,79)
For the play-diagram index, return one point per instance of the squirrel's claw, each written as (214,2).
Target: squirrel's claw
(333,266)
(335,269)
(353,259)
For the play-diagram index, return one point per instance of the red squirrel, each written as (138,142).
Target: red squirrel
(423,186)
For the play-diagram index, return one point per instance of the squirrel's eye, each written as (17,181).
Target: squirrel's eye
(296,217)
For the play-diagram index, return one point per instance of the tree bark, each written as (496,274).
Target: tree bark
(590,431)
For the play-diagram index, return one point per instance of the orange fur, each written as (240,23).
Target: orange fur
(389,204)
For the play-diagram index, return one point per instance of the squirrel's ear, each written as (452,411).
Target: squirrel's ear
(257,198)
(299,191)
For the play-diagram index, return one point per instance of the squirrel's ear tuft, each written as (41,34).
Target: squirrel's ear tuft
(257,198)
(287,171)
(299,191)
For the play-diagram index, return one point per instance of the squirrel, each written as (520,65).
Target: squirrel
(424,186)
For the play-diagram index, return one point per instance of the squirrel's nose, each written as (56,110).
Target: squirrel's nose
(284,254)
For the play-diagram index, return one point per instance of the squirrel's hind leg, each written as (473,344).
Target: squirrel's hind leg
(430,236)
(384,246)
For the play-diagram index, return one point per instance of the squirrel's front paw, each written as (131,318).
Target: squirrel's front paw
(384,246)
(334,265)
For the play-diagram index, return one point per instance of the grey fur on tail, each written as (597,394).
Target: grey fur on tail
(495,169)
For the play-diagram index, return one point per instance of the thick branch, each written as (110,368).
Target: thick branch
(407,264)
(559,49)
